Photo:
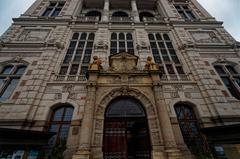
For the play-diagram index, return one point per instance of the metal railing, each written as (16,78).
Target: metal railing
(181,77)
(70,78)
(120,19)
(88,19)
(153,19)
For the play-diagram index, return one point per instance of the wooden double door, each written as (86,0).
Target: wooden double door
(126,138)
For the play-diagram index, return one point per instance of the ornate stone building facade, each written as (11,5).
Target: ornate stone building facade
(164,81)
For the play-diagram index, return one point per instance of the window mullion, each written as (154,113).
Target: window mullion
(117,42)
(52,11)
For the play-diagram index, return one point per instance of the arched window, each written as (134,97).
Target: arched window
(143,15)
(120,14)
(125,108)
(60,122)
(78,55)
(121,42)
(94,14)
(190,128)
(9,77)
(230,77)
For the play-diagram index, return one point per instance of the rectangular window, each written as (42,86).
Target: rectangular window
(164,53)
(79,54)
(185,12)
(9,90)
(54,9)
(121,42)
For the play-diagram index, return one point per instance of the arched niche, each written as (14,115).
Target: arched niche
(94,13)
(145,14)
(119,14)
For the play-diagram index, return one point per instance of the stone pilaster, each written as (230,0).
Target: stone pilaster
(135,11)
(165,123)
(32,8)
(84,150)
(105,15)
(167,8)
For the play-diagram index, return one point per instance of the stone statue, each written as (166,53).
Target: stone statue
(96,64)
(150,66)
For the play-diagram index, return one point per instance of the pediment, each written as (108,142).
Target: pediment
(123,62)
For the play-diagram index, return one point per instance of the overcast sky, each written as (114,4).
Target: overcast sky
(224,10)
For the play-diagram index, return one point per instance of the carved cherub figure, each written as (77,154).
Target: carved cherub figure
(150,66)
(96,64)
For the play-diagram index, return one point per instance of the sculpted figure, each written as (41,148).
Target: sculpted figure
(96,64)
(150,66)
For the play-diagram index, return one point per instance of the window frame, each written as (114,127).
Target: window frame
(225,73)
(125,40)
(52,9)
(8,78)
(78,51)
(165,44)
(61,122)
(185,11)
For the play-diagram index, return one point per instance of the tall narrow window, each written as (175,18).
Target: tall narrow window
(184,11)
(9,78)
(121,42)
(190,129)
(230,78)
(54,9)
(164,53)
(60,122)
(78,55)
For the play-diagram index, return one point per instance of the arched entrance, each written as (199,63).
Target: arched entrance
(126,133)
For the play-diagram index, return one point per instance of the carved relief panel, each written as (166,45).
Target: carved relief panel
(204,37)
(34,35)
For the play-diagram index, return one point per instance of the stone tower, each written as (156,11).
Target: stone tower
(130,79)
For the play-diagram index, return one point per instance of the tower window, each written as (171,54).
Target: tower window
(54,9)
(9,78)
(185,12)
(121,42)
(230,78)
(78,55)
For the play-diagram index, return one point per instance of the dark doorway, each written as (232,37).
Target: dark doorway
(126,133)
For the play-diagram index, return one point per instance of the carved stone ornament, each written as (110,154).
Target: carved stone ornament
(205,37)
(96,64)
(150,66)
(34,35)
(68,88)
(17,59)
(123,62)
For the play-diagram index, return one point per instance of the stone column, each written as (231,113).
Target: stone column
(84,149)
(105,15)
(165,123)
(135,11)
